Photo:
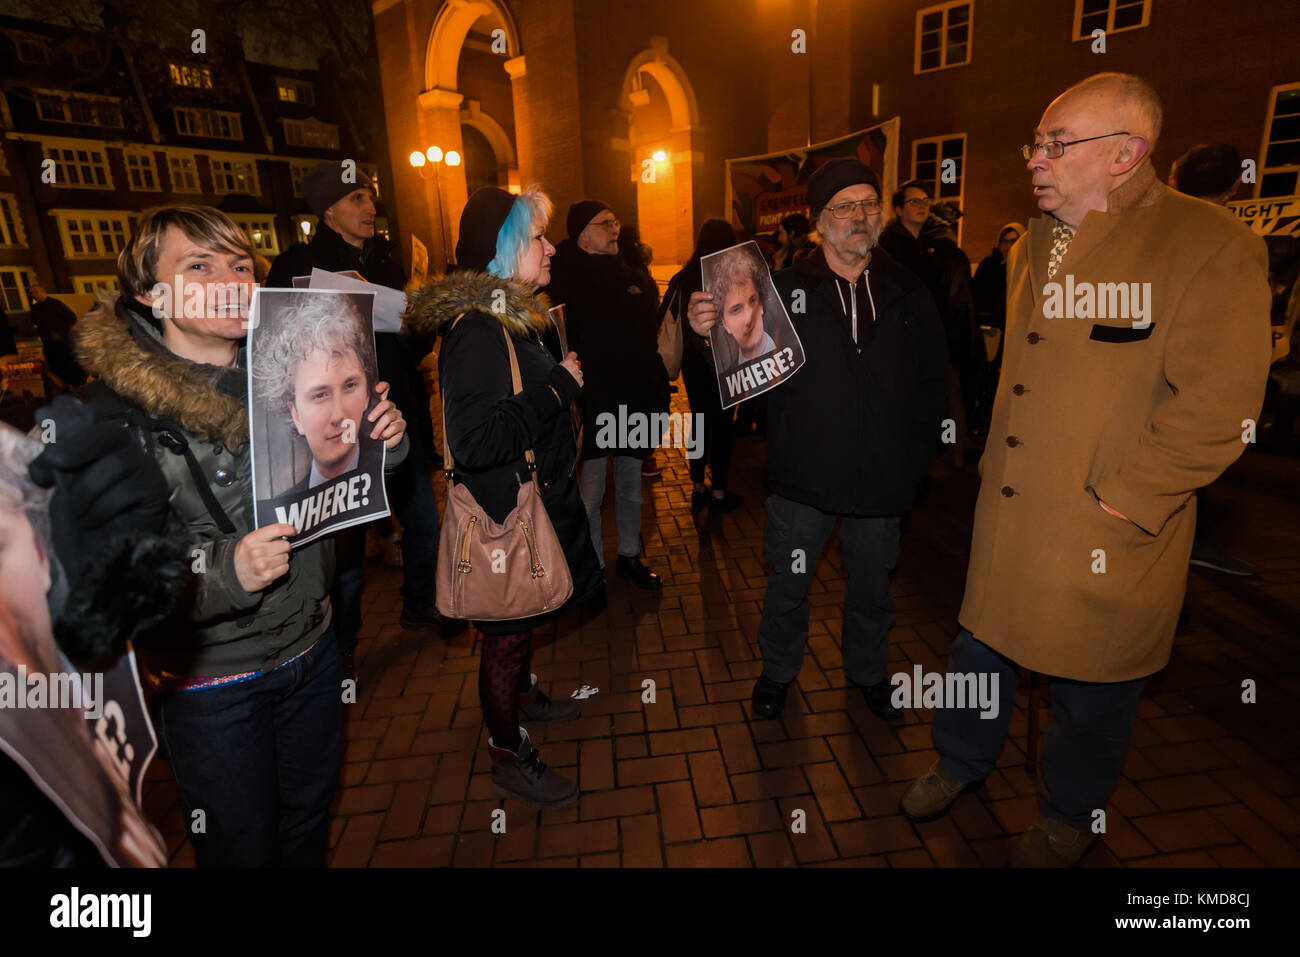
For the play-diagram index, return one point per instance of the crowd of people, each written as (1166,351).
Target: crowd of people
(1099,436)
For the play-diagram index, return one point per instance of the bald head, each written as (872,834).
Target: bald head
(1129,101)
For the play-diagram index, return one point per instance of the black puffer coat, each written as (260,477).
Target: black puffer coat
(489,428)
(613,327)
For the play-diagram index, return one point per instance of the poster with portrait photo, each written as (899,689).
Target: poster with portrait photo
(311,385)
(755,346)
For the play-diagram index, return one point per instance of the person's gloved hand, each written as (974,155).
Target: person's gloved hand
(105,485)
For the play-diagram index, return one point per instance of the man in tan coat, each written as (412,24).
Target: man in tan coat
(1137,349)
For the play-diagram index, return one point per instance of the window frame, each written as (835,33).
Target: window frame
(175,72)
(84,285)
(147,156)
(18,239)
(1269,117)
(1110,27)
(259,222)
(210,120)
(193,158)
(90,148)
(288,82)
(939,141)
(310,126)
(219,189)
(23,283)
(943,8)
(103,250)
(96,103)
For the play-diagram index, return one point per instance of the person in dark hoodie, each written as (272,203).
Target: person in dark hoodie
(701,378)
(610,311)
(850,436)
(345,240)
(246,672)
(503,249)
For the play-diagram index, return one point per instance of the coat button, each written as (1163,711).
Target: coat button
(1032,338)
(218,449)
(1018,389)
(1013,441)
(1008,491)
(224,477)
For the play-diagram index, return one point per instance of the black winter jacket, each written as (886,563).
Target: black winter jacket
(489,428)
(613,326)
(854,430)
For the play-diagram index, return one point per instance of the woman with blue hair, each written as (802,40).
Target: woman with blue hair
(503,259)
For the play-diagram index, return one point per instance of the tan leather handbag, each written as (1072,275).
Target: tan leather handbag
(489,571)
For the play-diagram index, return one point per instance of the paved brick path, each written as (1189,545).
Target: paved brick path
(694,780)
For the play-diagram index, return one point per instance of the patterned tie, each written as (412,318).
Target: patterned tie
(1061,236)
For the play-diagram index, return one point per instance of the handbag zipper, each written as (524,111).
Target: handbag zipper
(537,569)
(464,565)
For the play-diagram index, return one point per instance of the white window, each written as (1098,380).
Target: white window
(1109,15)
(31,48)
(85,108)
(141,172)
(943,36)
(93,234)
(235,176)
(1280,175)
(183,74)
(304,228)
(93,284)
(261,233)
(296,172)
(295,91)
(217,124)
(15,289)
(84,167)
(311,133)
(184,171)
(940,163)
(11,225)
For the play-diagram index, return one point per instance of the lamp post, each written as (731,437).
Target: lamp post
(435,157)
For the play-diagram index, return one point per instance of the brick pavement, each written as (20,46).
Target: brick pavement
(694,780)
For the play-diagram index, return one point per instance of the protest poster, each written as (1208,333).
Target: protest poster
(311,381)
(390,304)
(755,345)
(82,738)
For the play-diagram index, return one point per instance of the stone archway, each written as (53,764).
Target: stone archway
(503,151)
(664,119)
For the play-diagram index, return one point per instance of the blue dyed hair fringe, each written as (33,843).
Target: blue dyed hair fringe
(512,240)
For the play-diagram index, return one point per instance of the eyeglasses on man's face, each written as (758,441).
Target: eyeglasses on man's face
(606,223)
(918,201)
(845,210)
(1055,149)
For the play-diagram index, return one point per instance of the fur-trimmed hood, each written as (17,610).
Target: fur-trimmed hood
(127,354)
(431,306)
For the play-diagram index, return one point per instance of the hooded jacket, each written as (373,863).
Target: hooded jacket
(854,431)
(489,428)
(193,419)
(613,327)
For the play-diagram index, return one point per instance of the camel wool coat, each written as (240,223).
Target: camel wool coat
(1091,408)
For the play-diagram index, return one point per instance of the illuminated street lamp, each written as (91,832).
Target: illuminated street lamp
(435,157)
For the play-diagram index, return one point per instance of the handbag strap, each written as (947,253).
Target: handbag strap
(516,381)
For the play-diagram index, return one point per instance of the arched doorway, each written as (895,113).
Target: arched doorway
(470,46)
(662,126)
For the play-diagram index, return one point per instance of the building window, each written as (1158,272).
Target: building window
(94,284)
(30,47)
(943,36)
(261,233)
(198,77)
(940,163)
(217,124)
(296,172)
(11,226)
(81,108)
(140,171)
(295,91)
(184,172)
(85,168)
(93,235)
(15,289)
(1109,15)
(311,133)
(1281,173)
(235,176)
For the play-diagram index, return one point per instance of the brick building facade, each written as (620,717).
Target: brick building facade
(587,92)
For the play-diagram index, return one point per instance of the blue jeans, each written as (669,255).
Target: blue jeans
(1087,735)
(627,502)
(260,759)
(792,543)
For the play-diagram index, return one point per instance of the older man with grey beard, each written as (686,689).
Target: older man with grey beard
(849,437)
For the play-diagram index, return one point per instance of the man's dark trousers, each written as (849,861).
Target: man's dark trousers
(793,543)
(1087,736)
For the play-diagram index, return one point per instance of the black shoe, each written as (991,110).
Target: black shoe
(769,697)
(699,500)
(420,619)
(877,697)
(729,502)
(635,570)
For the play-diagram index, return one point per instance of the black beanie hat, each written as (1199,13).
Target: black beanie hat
(324,185)
(480,224)
(835,175)
(580,214)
